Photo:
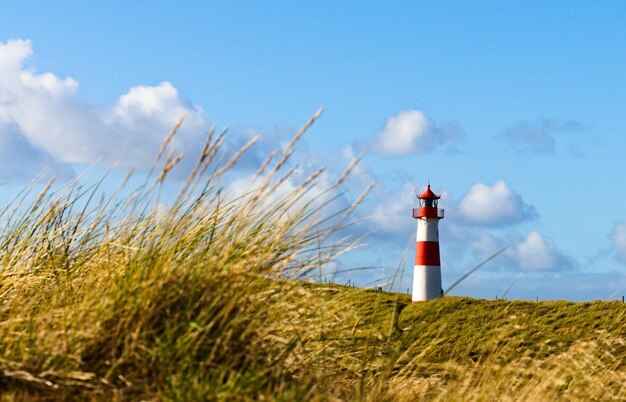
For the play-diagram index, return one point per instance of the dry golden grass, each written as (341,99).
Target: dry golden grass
(122,298)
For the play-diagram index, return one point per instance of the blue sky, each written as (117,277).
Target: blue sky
(515,112)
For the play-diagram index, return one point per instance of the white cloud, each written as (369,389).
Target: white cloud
(43,109)
(411,132)
(401,133)
(390,222)
(530,253)
(494,206)
(12,53)
(392,214)
(537,253)
(20,159)
(483,242)
(322,200)
(618,238)
(144,115)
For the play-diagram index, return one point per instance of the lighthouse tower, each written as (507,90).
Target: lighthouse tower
(427,271)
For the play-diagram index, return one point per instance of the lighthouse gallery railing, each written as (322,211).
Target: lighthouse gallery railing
(416,213)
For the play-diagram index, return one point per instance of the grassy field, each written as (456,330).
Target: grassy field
(126,297)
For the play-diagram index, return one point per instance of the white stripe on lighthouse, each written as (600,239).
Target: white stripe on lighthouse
(427,229)
(426,282)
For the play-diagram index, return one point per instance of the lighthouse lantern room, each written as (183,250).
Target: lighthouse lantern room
(427,269)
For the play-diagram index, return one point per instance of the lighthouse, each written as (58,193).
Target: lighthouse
(427,270)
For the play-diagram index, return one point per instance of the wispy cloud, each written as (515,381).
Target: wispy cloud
(618,240)
(540,136)
(391,218)
(412,132)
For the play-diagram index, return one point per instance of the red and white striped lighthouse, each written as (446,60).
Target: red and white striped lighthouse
(427,270)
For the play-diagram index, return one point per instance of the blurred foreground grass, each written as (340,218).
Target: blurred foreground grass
(123,298)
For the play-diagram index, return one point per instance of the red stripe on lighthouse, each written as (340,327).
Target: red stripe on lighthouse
(427,253)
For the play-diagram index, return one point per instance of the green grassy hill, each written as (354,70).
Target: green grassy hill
(472,349)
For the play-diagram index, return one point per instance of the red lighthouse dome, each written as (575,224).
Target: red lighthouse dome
(428,205)
(428,195)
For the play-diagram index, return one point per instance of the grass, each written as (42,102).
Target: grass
(126,297)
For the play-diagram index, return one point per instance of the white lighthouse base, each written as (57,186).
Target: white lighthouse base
(426,282)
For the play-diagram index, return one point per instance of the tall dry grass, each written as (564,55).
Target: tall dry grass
(200,296)
(121,297)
